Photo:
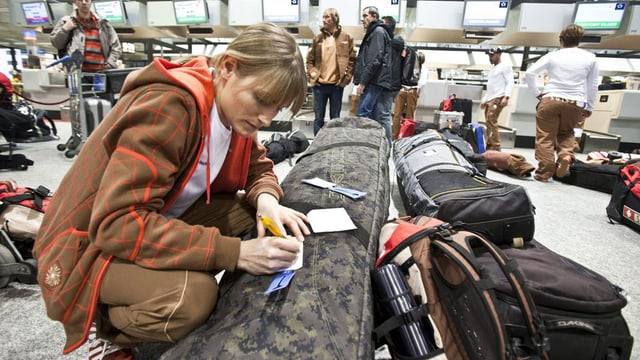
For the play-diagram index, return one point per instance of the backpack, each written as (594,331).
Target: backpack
(410,67)
(624,205)
(21,213)
(283,147)
(31,126)
(439,262)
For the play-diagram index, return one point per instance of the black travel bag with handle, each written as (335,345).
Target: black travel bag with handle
(436,179)
(580,308)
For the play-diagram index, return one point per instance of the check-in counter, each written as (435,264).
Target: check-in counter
(522,116)
(46,86)
(617,112)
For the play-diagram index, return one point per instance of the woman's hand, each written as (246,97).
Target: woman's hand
(267,255)
(280,215)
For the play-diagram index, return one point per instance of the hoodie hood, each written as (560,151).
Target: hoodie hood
(194,76)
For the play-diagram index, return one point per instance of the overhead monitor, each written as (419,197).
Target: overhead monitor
(191,11)
(385,7)
(281,11)
(112,10)
(599,15)
(37,13)
(485,14)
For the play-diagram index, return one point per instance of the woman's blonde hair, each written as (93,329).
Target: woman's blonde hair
(269,52)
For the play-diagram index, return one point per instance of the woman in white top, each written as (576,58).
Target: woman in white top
(568,95)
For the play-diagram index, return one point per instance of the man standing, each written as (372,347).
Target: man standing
(496,98)
(393,65)
(330,64)
(568,96)
(369,74)
(89,33)
(406,101)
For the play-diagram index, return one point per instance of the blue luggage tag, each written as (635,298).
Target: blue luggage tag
(281,281)
(351,193)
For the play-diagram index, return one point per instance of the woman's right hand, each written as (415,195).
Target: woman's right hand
(267,255)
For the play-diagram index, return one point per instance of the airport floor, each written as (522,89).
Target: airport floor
(570,220)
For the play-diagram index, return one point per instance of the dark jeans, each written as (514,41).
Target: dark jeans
(322,94)
(368,102)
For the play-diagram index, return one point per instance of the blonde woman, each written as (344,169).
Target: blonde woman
(150,209)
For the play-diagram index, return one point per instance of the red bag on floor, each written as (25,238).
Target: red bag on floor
(407,129)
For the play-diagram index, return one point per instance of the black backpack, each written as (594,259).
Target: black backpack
(410,67)
(279,148)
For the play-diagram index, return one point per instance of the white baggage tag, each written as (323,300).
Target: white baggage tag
(353,194)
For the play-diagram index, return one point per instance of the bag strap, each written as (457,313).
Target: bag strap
(36,195)
(511,269)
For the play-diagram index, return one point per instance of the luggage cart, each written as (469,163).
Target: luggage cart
(79,84)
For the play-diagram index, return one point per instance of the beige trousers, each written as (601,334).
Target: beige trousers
(492,111)
(404,108)
(555,121)
(138,304)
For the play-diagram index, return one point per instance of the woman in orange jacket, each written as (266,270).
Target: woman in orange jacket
(151,209)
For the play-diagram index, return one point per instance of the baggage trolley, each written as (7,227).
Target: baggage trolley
(79,84)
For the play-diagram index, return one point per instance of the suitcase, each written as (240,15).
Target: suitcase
(465,106)
(447,119)
(95,110)
(326,312)
(437,180)
(581,309)
(600,177)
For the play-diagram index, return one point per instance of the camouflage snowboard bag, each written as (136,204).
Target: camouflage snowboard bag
(326,311)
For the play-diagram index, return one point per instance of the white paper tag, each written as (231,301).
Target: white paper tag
(330,220)
(319,183)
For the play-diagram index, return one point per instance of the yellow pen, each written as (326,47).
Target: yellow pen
(268,223)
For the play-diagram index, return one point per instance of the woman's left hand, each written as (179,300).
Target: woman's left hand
(295,221)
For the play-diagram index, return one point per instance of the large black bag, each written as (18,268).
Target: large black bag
(581,309)
(465,106)
(435,179)
(326,312)
(600,177)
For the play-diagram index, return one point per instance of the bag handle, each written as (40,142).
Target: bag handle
(511,270)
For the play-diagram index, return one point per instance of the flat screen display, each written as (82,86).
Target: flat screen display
(385,7)
(599,15)
(36,13)
(112,10)
(485,14)
(281,11)
(191,11)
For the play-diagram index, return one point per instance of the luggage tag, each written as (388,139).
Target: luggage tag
(323,184)
(283,278)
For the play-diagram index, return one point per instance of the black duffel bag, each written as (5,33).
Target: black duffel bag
(581,309)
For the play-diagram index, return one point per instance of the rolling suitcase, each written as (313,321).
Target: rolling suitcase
(581,309)
(95,110)
(465,106)
(326,311)
(437,180)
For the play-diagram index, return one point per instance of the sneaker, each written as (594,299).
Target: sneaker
(100,349)
(563,167)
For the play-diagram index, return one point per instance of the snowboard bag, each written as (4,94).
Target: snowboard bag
(326,311)
(581,309)
(437,180)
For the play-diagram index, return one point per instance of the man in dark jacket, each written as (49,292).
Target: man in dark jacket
(393,65)
(369,74)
